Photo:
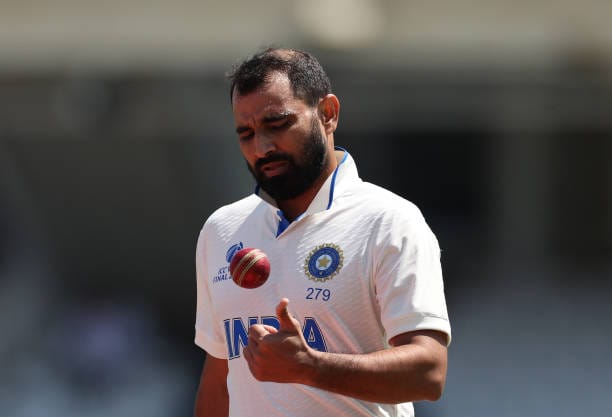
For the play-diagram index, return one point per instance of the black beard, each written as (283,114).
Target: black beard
(300,175)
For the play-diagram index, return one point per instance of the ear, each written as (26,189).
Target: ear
(329,111)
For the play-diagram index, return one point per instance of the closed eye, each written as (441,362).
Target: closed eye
(244,133)
(279,126)
(280,122)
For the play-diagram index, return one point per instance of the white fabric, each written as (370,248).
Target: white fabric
(389,282)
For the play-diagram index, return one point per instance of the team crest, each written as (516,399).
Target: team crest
(324,262)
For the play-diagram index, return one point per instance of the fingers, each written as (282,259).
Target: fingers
(286,322)
(248,355)
(258,332)
(282,313)
(251,349)
(270,329)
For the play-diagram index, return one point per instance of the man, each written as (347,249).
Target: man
(366,331)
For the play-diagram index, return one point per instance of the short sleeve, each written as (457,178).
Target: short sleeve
(408,276)
(208,334)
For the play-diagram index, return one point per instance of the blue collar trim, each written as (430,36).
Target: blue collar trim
(333,181)
(283,223)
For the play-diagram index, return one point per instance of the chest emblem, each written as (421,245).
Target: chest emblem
(324,262)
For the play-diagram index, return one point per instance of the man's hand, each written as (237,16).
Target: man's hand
(412,369)
(279,355)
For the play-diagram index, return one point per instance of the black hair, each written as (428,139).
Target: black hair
(309,81)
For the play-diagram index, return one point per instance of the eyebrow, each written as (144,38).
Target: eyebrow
(277,117)
(268,119)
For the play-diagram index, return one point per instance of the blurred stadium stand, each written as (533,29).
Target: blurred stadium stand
(116,143)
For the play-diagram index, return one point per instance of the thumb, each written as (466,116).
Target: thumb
(286,321)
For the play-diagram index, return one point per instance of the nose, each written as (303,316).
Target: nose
(264,144)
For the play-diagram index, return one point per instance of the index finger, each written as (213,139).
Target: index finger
(258,331)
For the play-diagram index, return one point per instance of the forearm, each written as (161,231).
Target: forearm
(211,403)
(212,399)
(404,373)
(413,369)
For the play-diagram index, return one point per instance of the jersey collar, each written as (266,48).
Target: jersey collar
(345,172)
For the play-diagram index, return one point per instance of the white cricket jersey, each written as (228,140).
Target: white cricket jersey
(359,267)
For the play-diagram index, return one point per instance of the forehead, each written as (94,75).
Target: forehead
(274,96)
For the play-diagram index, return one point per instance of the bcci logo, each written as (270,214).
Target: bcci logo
(323,262)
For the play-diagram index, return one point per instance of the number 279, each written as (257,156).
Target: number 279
(318,294)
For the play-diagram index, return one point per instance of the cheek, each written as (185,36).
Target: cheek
(246,148)
(294,139)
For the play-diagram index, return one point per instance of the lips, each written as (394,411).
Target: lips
(272,169)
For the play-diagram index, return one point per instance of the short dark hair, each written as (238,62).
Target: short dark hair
(309,81)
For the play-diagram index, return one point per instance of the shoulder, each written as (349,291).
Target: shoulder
(240,208)
(388,216)
(229,216)
(396,226)
(380,202)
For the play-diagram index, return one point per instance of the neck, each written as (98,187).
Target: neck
(294,207)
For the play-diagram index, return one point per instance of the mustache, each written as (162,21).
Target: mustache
(272,158)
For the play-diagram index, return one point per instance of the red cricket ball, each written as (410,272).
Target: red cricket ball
(250,268)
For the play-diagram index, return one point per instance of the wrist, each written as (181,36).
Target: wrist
(313,367)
